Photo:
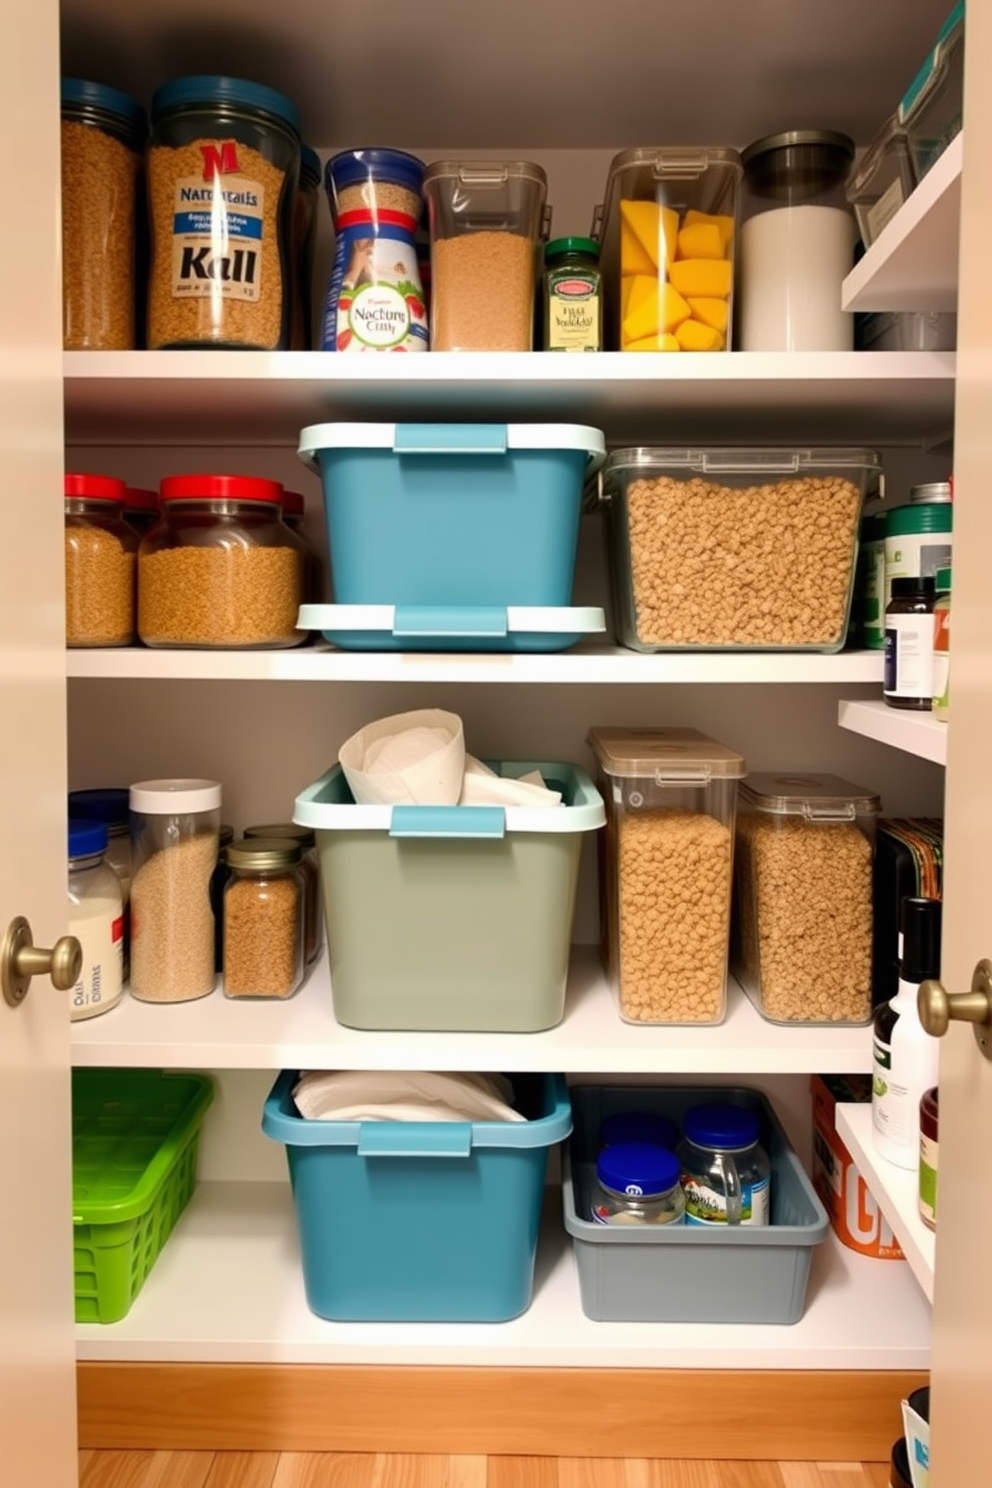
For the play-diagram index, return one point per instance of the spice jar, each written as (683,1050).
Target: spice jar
(306,838)
(223,166)
(638,1183)
(725,1170)
(573,296)
(103,140)
(96,919)
(263,919)
(110,808)
(909,631)
(174,831)
(221,569)
(942,645)
(304,239)
(99,563)
(293,514)
(638,1126)
(375,301)
(929,1153)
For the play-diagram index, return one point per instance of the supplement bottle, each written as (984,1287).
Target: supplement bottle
(637,1183)
(638,1126)
(96,919)
(99,563)
(942,645)
(909,636)
(929,1152)
(573,296)
(310,866)
(725,1170)
(904,1063)
(263,919)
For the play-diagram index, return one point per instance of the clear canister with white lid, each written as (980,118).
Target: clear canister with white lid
(174,840)
(310,867)
(96,919)
(726,1175)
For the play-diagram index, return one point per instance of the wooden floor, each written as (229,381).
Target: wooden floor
(330,1470)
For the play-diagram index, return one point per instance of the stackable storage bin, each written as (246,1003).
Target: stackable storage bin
(420,1221)
(690,1274)
(135,1142)
(450,526)
(454,918)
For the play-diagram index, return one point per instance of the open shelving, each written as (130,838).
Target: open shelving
(895,1191)
(915,733)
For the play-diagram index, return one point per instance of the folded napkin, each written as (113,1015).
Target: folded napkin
(398,1095)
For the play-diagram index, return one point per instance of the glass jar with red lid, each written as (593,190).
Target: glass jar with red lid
(99,563)
(222,568)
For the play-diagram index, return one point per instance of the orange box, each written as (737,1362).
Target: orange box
(854,1214)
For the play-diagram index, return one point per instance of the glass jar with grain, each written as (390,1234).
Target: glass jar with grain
(223,167)
(99,563)
(103,139)
(222,569)
(263,918)
(306,839)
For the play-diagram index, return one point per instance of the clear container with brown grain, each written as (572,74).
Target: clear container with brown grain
(100,551)
(487,221)
(264,918)
(313,917)
(802,942)
(223,168)
(665,870)
(222,568)
(103,141)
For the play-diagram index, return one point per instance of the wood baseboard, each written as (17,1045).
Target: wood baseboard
(811,1415)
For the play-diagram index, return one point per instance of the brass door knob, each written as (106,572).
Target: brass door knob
(21,959)
(938,1008)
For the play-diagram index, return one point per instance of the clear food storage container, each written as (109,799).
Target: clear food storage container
(487,220)
(665,870)
(882,180)
(720,549)
(931,108)
(803,897)
(669,224)
(100,551)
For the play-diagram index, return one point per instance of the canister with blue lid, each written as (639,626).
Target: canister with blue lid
(637,1183)
(726,1174)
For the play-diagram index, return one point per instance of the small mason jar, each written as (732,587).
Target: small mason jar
(263,918)
(96,919)
(99,563)
(726,1174)
(637,1183)
(313,911)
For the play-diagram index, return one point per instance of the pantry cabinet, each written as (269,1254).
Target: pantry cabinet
(219,1349)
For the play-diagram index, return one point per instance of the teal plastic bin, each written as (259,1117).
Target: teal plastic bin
(420,1221)
(450,919)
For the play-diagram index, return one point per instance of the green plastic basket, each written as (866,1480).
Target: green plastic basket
(135,1141)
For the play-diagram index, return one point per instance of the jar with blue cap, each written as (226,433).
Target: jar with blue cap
(223,169)
(726,1174)
(96,919)
(637,1183)
(110,806)
(638,1126)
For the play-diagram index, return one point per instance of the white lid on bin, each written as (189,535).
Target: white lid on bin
(174,797)
(809,796)
(670,753)
(317,437)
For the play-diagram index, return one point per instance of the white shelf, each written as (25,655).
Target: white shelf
(895,1190)
(913,264)
(209,397)
(228,1288)
(582,665)
(915,733)
(219,1033)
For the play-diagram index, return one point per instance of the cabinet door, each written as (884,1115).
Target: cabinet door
(37,1400)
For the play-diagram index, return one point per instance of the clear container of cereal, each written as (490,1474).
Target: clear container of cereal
(222,569)
(669,226)
(882,180)
(802,946)
(487,219)
(223,167)
(263,919)
(665,870)
(100,551)
(735,549)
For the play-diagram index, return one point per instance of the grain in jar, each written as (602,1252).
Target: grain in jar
(306,838)
(103,139)
(100,553)
(803,897)
(222,569)
(263,918)
(665,870)
(223,167)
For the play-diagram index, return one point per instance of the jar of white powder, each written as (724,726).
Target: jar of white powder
(96,919)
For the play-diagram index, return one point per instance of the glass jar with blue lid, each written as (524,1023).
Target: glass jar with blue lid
(726,1175)
(223,168)
(637,1183)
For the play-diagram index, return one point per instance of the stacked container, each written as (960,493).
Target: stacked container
(931,108)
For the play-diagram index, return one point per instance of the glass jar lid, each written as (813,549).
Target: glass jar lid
(637,1126)
(174,797)
(221,488)
(84,487)
(79,95)
(263,852)
(721,1125)
(285,831)
(638,1169)
(86,839)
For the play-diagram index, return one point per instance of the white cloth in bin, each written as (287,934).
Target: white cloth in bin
(398,1095)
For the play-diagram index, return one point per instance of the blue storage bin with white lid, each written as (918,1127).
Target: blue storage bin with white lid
(463,536)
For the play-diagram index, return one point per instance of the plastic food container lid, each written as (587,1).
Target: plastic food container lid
(559,246)
(263,852)
(86,838)
(664,754)
(673,160)
(174,797)
(208,90)
(78,93)
(95,488)
(110,806)
(284,831)
(355,167)
(809,796)
(485,174)
(221,488)
(309,166)
(919,89)
(891,136)
(735,461)
(638,1169)
(137,498)
(637,1126)
(721,1125)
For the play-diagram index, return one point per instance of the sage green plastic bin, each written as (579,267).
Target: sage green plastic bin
(453,918)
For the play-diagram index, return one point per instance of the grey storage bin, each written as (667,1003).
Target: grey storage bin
(689,1274)
(452,918)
